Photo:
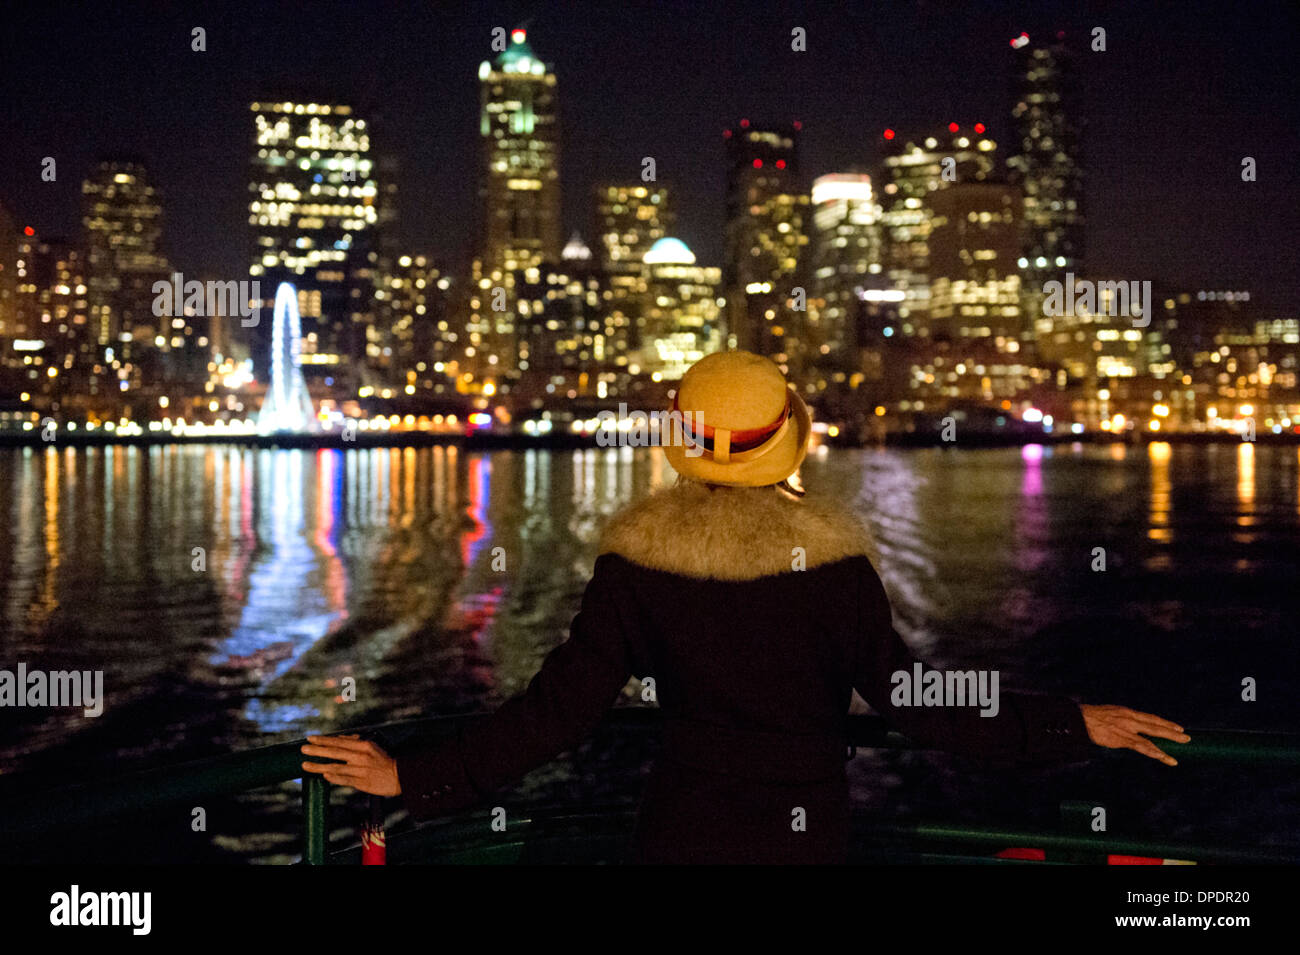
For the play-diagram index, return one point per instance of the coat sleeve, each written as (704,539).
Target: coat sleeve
(577,683)
(1028,728)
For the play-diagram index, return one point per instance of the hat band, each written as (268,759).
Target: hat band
(724,445)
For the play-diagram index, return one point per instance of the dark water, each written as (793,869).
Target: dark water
(378,565)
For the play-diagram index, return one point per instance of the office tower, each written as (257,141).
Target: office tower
(28,265)
(313,212)
(1189,321)
(846,262)
(519,196)
(413,345)
(54,346)
(573,338)
(1044,161)
(1221,358)
(122,218)
(630,218)
(914,169)
(766,232)
(974,245)
(9,233)
(520,135)
(683,311)
(975,327)
(490,352)
(386,251)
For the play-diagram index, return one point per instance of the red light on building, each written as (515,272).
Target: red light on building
(744,124)
(29,231)
(979,127)
(726,134)
(798,125)
(953,127)
(758,164)
(518,36)
(780,164)
(889,134)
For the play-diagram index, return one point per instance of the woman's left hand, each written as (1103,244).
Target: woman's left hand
(363,765)
(1118,727)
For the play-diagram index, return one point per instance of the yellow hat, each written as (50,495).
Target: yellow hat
(743,424)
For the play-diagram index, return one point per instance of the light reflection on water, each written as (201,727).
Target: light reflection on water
(436,580)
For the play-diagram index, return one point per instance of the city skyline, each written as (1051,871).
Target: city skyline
(413,386)
(1167,178)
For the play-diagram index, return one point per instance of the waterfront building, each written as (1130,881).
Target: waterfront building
(574,334)
(1233,360)
(914,169)
(846,263)
(312,212)
(519,134)
(53,346)
(413,346)
(1044,160)
(9,234)
(974,278)
(629,219)
(122,222)
(520,214)
(683,310)
(767,230)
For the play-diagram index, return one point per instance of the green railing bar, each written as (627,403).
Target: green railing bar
(1225,746)
(315,819)
(177,784)
(993,836)
(1236,746)
(468,839)
(192,782)
(165,786)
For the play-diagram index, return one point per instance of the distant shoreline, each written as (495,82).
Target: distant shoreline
(499,442)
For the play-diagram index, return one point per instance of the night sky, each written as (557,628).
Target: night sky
(1182,93)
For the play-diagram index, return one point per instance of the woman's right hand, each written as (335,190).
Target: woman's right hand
(361,764)
(1118,727)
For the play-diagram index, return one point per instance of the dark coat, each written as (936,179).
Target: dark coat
(757,615)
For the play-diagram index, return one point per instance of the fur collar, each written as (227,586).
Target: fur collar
(732,533)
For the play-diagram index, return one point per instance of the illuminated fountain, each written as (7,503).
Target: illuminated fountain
(287,406)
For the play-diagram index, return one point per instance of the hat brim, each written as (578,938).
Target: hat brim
(770,468)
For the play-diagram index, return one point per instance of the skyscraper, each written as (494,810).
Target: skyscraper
(629,219)
(9,233)
(312,212)
(683,316)
(845,262)
(1044,161)
(519,194)
(914,170)
(974,243)
(973,352)
(53,340)
(520,135)
(766,231)
(122,217)
(573,338)
(414,345)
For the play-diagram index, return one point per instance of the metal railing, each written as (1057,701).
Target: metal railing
(79,807)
